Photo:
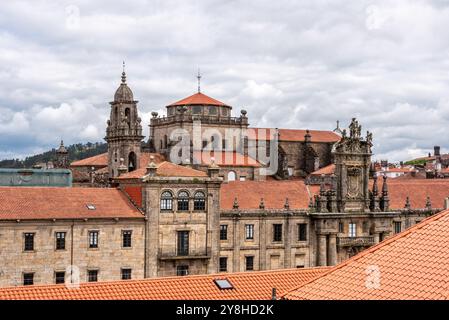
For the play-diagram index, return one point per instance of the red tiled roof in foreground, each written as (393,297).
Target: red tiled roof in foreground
(101,160)
(411,265)
(165,169)
(225,159)
(295,135)
(247,286)
(197,99)
(26,203)
(273,192)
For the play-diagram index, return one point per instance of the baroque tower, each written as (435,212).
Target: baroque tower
(124,131)
(62,157)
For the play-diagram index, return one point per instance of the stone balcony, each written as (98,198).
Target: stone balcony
(204,119)
(191,254)
(355,241)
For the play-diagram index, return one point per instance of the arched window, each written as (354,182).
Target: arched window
(183,201)
(199,202)
(116,114)
(165,142)
(166,201)
(132,161)
(231,176)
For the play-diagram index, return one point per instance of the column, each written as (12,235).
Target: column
(322,250)
(376,238)
(332,261)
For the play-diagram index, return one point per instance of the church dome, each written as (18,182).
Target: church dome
(123,93)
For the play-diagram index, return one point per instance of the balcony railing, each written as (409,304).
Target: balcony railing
(174,255)
(203,119)
(356,241)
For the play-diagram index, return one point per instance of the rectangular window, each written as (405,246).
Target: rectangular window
(126,274)
(302,232)
(126,238)
(183,243)
(182,270)
(28,279)
(341,227)
(28,241)
(223,264)
(92,275)
(60,240)
(397,226)
(223,144)
(249,231)
(224,232)
(59,277)
(249,262)
(352,230)
(93,239)
(277,232)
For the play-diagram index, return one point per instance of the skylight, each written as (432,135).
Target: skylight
(223,284)
(90,206)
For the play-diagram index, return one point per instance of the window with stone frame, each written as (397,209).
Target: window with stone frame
(60,240)
(126,273)
(249,231)
(183,201)
(166,201)
(183,243)
(28,278)
(93,239)
(92,275)
(224,232)
(302,232)
(249,263)
(352,230)
(223,264)
(397,226)
(127,238)
(28,241)
(182,270)
(59,277)
(277,232)
(199,201)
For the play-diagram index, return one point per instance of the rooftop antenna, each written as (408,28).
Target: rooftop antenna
(199,80)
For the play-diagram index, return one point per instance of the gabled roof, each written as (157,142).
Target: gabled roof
(198,99)
(411,265)
(246,286)
(293,135)
(273,192)
(225,159)
(165,169)
(26,203)
(101,160)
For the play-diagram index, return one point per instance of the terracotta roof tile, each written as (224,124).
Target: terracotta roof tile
(296,135)
(101,160)
(26,203)
(225,159)
(411,265)
(327,170)
(165,169)
(274,193)
(198,99)
(247,285)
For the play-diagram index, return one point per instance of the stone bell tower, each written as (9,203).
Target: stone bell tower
(124,131)
(352,164)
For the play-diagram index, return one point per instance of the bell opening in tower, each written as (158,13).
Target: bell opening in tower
(132,162)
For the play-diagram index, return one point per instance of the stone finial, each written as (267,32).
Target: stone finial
(286,204)
(307,136)
(213,168)
(428,203)
(375,189)
(122,168)
(385,200)
(407,203)
(243,112)
(385,186)
(322,188)
(152,167)
(261,204)
(235,205)
(154,114)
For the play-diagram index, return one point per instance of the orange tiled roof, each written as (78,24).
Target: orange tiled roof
(247,286)
(225,159)
(274,192)
(411,265)
(101,160)
(165,169)
(197,99)
(26,203)
(327,170)
(295,135)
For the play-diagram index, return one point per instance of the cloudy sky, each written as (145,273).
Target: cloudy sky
(291,64)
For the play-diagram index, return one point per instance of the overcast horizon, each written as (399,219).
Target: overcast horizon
(290,64)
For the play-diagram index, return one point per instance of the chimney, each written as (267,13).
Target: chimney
(436,151)
(122,168)
(213,169)
(446,203)
(152,167)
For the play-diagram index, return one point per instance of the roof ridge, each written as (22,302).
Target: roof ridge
(376,247)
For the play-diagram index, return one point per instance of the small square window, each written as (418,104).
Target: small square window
(92,275)
(28,279)
(126,274)
(182,270)
(59,277)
